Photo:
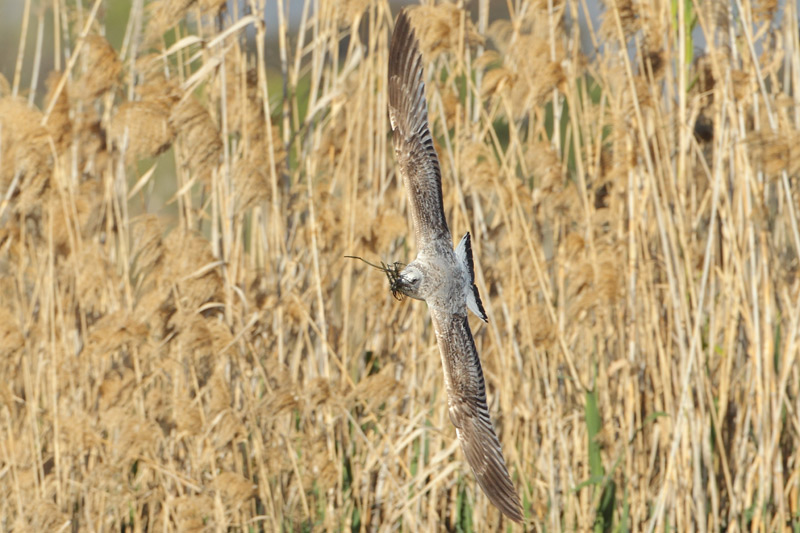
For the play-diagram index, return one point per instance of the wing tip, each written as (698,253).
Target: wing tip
(403,28)
(474,302)
(479,304)
(497,485)
(504,497)
(406,78)
(404,44)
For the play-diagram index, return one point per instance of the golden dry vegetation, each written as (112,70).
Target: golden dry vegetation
(184,346)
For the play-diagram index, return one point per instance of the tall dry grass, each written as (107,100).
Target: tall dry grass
(184,347)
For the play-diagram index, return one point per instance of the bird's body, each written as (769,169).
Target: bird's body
(442,276)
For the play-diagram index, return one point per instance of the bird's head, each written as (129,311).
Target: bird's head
(403,280)
(409,282)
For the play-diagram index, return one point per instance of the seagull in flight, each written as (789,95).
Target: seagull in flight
(441,276)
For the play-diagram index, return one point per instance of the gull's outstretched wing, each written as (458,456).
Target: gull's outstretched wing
(413,144)
(466,396)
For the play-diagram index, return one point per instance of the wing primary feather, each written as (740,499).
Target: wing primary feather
(470,414)
(416,156)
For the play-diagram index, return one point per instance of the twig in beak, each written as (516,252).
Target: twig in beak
(392,272)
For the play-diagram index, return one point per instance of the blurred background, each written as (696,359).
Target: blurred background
(185,347)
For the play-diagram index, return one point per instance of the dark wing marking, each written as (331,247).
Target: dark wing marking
(464,256)
(468,255)
(480,311)
(413,144)
(469,413)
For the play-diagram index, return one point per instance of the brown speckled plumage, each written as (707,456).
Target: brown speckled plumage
(440,276)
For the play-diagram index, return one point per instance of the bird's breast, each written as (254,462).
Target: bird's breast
(446,287)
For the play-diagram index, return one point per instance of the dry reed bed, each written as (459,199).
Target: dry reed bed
(226,367)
